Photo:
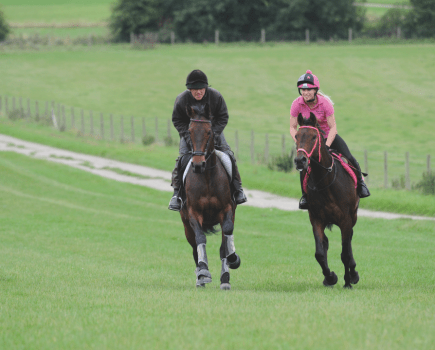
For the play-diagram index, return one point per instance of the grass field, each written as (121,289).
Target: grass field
(61,32)
(87,262)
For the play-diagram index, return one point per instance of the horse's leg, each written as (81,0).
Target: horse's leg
(350,274)
(190,236)
(227,250)
(322,246)
(202,273)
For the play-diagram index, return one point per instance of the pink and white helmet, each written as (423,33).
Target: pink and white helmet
(308,81)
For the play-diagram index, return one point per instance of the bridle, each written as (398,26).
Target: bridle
(329,169)
(200,153)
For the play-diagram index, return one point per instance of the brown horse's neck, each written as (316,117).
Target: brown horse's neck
(317,172)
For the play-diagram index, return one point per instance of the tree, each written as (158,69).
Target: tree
(4,27)
(420,21)
(134,16)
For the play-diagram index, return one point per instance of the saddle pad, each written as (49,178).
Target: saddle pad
(345,164)
(225,160)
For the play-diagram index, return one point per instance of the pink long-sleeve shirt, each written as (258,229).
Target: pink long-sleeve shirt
(321,110)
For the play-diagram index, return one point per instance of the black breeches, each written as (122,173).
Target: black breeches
(339,145)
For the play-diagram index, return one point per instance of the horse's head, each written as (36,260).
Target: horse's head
(201,135)
(308,141)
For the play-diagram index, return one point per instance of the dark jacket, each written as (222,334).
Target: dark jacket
(218,109)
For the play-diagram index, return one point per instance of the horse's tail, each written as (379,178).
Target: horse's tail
(209,229)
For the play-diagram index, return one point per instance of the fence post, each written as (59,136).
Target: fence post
(366,165)
(399,33)
(53,118)
(112,136)
(385,170)
(143,128)
(13,103)
(283,145)
(0,104)
(172,38)
(72,118)
(102,126)
(58,112)
(132,128)
(263,36)
(307,36)
(91,115)
(266,149)
(122,128)
(36,110)
(428,164)
(350,35)
(157,129)
(237,144)
(63,118)
(21,105)
(407,181)
(46,108)
(216,37)
(252,147)
(6,106)
(28,108)
(83,121)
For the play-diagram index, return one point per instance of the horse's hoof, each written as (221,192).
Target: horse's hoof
(236,264)
(225,286)
(199,284)
(331,280)
(354,278)
(347,286)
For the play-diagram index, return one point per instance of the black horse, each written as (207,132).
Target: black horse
(332,198)
(208,200)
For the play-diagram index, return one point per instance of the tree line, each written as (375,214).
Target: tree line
(242,20)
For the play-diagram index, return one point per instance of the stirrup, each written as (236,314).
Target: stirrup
(303,203)
(240,197)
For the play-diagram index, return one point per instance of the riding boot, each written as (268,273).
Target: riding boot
(175,202)
(362,189)
(239,195)
(303,202)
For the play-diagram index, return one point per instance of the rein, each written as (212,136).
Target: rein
(328,169)
(200,153)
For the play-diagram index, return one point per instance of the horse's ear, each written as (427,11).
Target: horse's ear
(189,111)
(207,111)
(313,119)
(300,119)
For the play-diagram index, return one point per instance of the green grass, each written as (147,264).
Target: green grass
(91,263)
(256,176)
(61,32)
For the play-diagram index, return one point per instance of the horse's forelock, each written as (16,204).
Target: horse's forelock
(200,111)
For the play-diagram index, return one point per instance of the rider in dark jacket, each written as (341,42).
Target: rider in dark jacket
(198,93)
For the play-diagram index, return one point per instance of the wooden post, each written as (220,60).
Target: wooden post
(263,36)
(112,136)
(407,181)
(172,38)
(307,36)
(266,149)
(28,108)
(428,164)
(37,110)
(143,128)
(216,37)
(72,118)
(58,112)
(252,147)
(350,35)
(83,122)
(385,170)
(13,103)
(6,106)
(157,129)
(237,145)
(366,166)
(63,118)
(21,105)
(91,116)
(132,128)
(101,126)
(122,128)
(283,145)
(46,108)
(399,33)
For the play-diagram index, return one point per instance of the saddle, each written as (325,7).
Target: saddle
(184,166)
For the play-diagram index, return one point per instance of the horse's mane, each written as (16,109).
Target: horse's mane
(307,122)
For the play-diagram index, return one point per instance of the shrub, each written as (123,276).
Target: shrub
(399,183)
(4,27)
(282,163)
(427,183)
(16,114)
(148,140)
(169,141)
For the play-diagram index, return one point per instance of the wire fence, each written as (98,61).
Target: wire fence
(386,169)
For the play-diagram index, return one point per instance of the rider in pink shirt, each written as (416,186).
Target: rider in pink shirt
(314,101)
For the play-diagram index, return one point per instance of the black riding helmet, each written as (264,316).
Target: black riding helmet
(196,80)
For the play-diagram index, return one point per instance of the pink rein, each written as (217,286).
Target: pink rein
(317,141)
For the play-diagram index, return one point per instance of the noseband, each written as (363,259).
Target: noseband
(199,153)
(317,141)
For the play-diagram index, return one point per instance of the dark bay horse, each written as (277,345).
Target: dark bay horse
(208,200)
(332,198)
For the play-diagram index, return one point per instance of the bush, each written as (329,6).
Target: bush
(4,27)
(148,140)
(16,114)
(282,163)
(169,141)
(427,184)
(399,183)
